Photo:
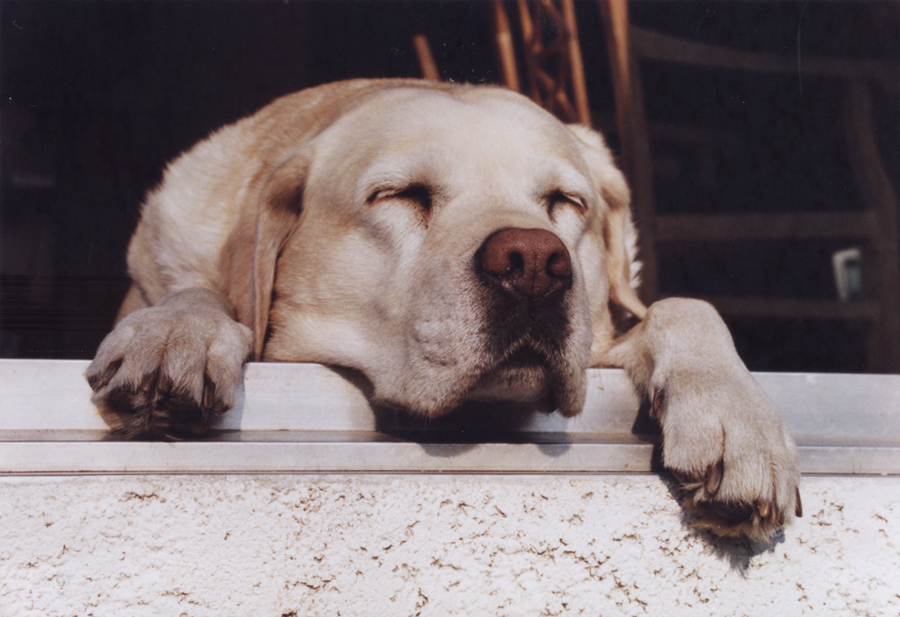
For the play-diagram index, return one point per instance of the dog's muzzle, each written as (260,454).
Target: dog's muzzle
(525,275)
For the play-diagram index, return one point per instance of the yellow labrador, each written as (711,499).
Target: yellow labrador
(450,243)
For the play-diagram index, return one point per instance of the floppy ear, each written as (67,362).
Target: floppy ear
(618,230)
(267,220)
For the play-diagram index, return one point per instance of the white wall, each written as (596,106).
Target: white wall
(398,545)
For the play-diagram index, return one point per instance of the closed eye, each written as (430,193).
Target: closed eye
(417,194)
(556,199)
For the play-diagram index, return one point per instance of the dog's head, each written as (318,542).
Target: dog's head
(451,243)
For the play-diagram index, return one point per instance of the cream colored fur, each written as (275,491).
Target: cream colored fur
(342,225)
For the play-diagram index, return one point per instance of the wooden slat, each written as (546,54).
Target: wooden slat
(794,308)
(426,59)
(666,48)
(506,51)
(764,226)
(531,48)
(634,136)
(579,85)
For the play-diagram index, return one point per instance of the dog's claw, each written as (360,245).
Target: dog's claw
(209,394)
(798,506)
(714,474)
(656,403)
(164,386)
(149,381)
(769,513)
(764,508)
(102,379)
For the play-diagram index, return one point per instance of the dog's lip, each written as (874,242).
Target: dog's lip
(525,356)
(511,385)
(523,370)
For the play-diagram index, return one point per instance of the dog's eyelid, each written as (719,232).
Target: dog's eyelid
(419,193)
(558,196)
(378,193)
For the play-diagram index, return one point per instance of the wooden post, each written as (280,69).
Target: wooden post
(576,62)
(532,47)
(634,137)
(505,49)
(426,60)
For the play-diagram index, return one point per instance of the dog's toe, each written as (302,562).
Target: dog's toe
(736,509)
(168,370)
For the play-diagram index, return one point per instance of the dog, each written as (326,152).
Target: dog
(448,242)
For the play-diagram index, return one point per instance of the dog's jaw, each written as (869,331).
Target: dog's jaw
(470,355)
(561,388)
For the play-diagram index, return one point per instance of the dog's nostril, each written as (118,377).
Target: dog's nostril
(559,265)
(501,260)
(530,262)
(516,261)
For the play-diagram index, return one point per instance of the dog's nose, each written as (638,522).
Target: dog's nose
(531,262)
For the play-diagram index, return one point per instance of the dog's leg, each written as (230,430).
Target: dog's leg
(170,368)
(722,437)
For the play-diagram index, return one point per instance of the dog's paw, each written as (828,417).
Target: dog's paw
(727,446)
(169,369)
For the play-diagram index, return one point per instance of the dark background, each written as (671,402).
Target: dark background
(96,96)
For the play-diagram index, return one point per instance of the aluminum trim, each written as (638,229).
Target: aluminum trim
(304,418)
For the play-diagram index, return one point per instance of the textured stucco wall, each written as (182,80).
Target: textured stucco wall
(430,545)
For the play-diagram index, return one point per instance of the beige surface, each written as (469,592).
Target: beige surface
(399,545)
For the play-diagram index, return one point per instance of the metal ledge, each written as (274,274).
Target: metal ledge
(305,418)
